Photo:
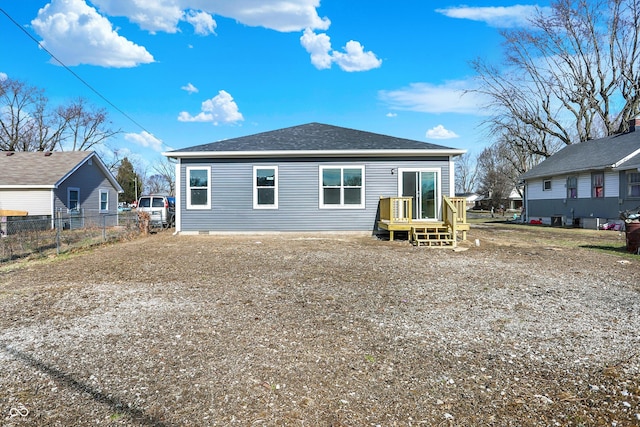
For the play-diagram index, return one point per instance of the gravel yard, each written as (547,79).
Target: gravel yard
(530,328)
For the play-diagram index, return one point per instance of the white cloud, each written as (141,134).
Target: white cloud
(76,34)
(145,139)
(190,88)
(392,114)
(165,15)
(355,58)
(322,56)
(220,108)
(203,23)
(319,46)
(439,132)
(427,98)
(3,77)
(150,15)
(496,16)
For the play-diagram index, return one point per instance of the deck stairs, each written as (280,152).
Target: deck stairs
(396,216)
(436,235)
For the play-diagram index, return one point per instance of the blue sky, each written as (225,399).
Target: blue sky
(190,72)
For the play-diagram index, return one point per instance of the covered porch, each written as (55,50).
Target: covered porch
(396,214)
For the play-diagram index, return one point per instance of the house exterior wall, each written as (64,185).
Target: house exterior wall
(89,180)
(34,201)
(546,204)
(298,209)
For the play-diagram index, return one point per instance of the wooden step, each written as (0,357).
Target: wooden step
(437,235)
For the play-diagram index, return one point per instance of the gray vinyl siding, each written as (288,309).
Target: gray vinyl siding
(582,207)
(606,208)
(627,202)
(89,179)
(298,191)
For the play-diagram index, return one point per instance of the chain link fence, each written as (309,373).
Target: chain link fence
(27,236)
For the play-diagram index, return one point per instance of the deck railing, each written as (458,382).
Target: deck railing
(454,208)
(454,214)
(396,214)
(396,209)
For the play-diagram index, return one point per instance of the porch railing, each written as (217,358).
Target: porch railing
(396,213)
(454,209)
(396,209)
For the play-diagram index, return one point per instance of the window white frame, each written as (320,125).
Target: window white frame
(633,184)
(417,212)
(70,201)
(546,185)
(257,188)
(190,188)
(341,187)
(105,194)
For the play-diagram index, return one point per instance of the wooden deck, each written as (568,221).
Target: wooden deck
(396,216)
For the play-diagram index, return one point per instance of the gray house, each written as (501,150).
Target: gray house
(586,184)
(312,177)
(45,183)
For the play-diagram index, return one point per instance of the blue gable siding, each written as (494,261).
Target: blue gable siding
(89,179)
(298,189)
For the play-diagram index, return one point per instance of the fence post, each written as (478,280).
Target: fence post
(58,227)
(104,228)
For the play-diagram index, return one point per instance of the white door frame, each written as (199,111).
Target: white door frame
(417,203)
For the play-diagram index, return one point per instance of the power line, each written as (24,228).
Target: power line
(84,82)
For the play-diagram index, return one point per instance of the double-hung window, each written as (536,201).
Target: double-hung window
(597,185)
(104,200)
(73,199)
(198,187)
(633,184)
(572,187)
(342,187)
(265,187)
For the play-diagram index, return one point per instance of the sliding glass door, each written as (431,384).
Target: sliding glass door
(424,186)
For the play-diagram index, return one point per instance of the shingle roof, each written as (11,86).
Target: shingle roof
(39,169)
(311,137)
(597,154)
(633,162)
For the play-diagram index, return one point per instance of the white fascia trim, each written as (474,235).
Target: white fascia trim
(27,187)
(312,153)
(626,158)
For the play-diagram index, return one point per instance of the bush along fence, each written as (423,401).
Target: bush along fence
(23,236)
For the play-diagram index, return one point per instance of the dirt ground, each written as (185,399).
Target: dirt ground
(533,327)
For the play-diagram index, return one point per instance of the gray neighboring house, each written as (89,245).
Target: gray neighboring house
(586,184)
(43,183)
(312,177)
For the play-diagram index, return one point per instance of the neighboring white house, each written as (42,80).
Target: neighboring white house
(586,184)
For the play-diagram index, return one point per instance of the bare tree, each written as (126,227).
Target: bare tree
(571,76)
(28,124)
(85,126)
(496,175)
(19,103)
(167,171)
(156,184)
(466,173)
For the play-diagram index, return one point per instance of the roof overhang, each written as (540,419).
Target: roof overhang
(27,187)
(309,154)
(569,172)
